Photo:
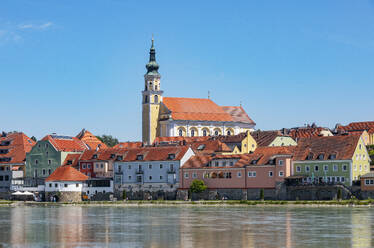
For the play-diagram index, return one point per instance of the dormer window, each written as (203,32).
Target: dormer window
(112,156)
(201,147)
(139,157)
(332,156)
(69,162)
(94,156)
(119,158)
(321,156)
(171,156)
(310,156)
(254,161)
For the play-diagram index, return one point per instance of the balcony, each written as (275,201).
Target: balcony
(172,171)
(139,171)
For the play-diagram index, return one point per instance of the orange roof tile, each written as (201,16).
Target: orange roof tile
(238,114)
(66,143)
(66,173)
(128,145)
(358,126)
(13,147)
(91,140)
(264,138)
(72,159)
(343,147)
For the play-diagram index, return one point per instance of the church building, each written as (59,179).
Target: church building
(189,117)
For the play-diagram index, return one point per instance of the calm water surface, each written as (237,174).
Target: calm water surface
(70,226)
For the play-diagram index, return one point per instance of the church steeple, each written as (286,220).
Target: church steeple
(152,66)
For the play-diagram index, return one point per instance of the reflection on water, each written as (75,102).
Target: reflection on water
(66,226)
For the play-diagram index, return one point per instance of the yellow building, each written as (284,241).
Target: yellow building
(188,117)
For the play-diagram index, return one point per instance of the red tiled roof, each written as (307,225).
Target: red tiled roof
(126,145)
(102,154)
(359,126)
(19,145)
(200,109)
(91,140)
(264,138)
(238,114)
(72,159)
(306,132)
(343,147)
(209,147)
(263,155)
(66,173)
(66,143)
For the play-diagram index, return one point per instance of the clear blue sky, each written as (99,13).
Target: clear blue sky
(68,65)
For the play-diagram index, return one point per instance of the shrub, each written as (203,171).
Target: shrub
(339,196)
(262,195)
(198,186)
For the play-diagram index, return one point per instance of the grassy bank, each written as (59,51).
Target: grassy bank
(352,202)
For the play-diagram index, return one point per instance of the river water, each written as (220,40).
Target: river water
(85,226)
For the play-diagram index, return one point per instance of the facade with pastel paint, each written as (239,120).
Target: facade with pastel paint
(335,159)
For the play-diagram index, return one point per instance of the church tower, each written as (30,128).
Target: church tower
(152,96)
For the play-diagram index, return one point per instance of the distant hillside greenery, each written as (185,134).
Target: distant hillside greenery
(108,140)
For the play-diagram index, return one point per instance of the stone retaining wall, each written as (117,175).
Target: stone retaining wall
(64,196)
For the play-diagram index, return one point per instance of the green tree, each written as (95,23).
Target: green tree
(198,186)
(108,140)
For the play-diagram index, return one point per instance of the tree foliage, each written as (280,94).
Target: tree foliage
(108,140)
(198,186)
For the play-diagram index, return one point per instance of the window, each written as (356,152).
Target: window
(156,98)
(360,146)
(119,168)
(270,173)
(56,185)
(44,172)
(65,185)
(160,177)
(88,166)
(36,161)
(50,185)
(129,167)
(146,99)
(102,166)
(49,161)
(355,167)
(160,166)
(180,132)
(326,168)
(204,133)
(239,174)
(129,177)
(150,166)
(360,167)
(217,163)
(224,163)
(186,175)
(280,162)
(251,173)
(335,167)
(171,167)
(345,167)
(298,169)
(228,133)
(6,178)
(150,177)
(83,166)
(35,173)
(281,174)
(316,168)
(307,168)
(366,167)
(1,178)
(192,133)
(231,163)
(97,166)
(369,182)
(77,185)
(216,133)
(194,175)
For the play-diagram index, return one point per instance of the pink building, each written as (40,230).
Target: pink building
(261,169)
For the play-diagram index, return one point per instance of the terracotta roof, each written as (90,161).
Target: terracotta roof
(306,132)
(264,138)
(262,156)
(358,126)
(200,109)
(13,147)
(238,138)
(72,159)
(209,147)
(91,140)
(342,147)
(66,143)
(238,114)
(102,154)
(66,173)
(128,145)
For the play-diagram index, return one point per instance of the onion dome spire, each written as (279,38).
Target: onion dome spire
(152,66)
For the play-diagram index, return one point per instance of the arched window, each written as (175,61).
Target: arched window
(229,133)
(205,133)
(180,132)
(146,99)
(192,133)
(216,133)
(156,98)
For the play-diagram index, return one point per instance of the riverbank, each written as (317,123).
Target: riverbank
(352,202)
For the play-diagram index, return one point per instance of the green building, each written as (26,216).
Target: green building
(48,154)
(333,159)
